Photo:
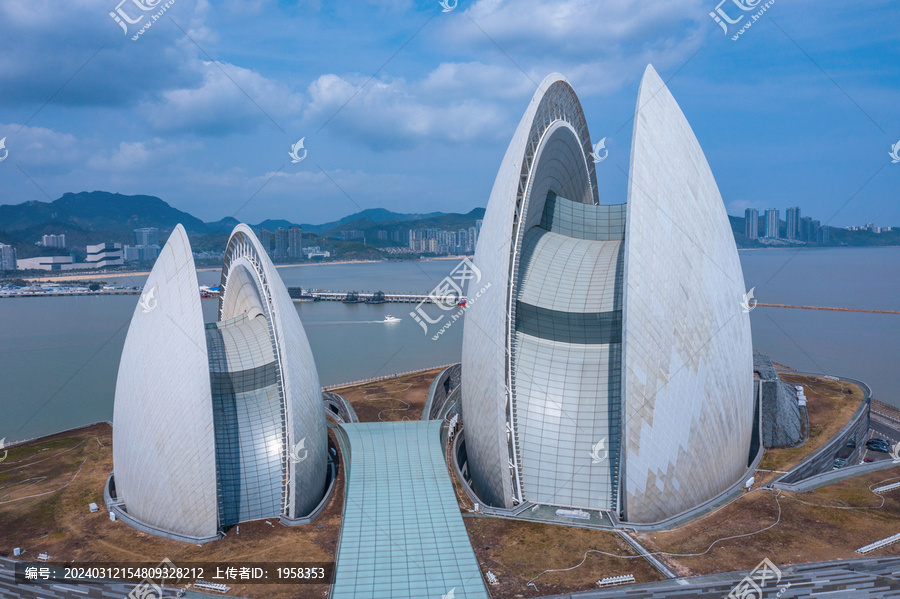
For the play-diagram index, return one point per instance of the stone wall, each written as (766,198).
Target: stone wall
(781,419)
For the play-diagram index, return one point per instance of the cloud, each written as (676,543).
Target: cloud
(599,47)
(136,155)
(391,113)
(41,147)
(73,53)
(230,99)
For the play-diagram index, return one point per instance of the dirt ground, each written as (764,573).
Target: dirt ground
(45,488)
(813,526)
(401,398)
(517,552)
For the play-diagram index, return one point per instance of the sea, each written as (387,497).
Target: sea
(59,355)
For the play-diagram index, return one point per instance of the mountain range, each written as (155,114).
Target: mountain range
(99,216)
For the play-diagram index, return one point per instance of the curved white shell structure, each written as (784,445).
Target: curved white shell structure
(688,376)
(586,336)
(164,452)
(220,423)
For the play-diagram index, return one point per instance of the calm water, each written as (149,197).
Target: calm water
(59,356)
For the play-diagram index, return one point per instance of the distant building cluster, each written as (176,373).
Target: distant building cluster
(54,241)
(797,228)
(870,227)
(441,241)
(101,255)
(395,236)
(282,244)
(146,246)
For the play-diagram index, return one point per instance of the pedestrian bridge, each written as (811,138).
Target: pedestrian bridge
(402,534)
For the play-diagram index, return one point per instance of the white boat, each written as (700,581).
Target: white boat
(390,318)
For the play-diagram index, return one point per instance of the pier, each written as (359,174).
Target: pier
(828,308)
(389,298)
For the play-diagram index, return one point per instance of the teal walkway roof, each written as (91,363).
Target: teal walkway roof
(402,535)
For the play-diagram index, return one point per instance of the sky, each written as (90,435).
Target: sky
(405,106)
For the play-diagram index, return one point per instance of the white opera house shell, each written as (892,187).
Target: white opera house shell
(217,423)
(609,365)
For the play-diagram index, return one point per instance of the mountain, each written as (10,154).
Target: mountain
(96,211)
(99,216)
(375,215)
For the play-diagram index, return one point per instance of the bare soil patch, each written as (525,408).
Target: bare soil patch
(391,400)
(44,508)
(516,551)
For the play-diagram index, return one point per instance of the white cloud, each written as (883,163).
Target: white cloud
(390,113)
(38,146)
(230,99)
(136,155)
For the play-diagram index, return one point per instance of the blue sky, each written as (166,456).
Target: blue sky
(409,108)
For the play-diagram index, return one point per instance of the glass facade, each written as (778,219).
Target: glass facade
(567,355)
(249,420)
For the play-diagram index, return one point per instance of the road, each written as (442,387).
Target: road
(866,578)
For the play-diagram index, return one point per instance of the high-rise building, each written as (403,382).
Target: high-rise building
(822,234)
(586,383)
(220,423)
(793,223)
(772,223)
(751,223)
(265,240)
(462,240)
(295,242)
(806,230)
(281,243)
(54,241)
(478,229)
(146,236)
(7,257)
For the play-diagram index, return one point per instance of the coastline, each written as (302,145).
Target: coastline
(85,275)
(826,247)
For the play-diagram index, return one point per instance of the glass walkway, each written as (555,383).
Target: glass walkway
(402,535)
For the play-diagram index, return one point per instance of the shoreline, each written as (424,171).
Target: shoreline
(87,275)
(826,247)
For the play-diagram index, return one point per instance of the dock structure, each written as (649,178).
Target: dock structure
(395,298)
(72,292)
